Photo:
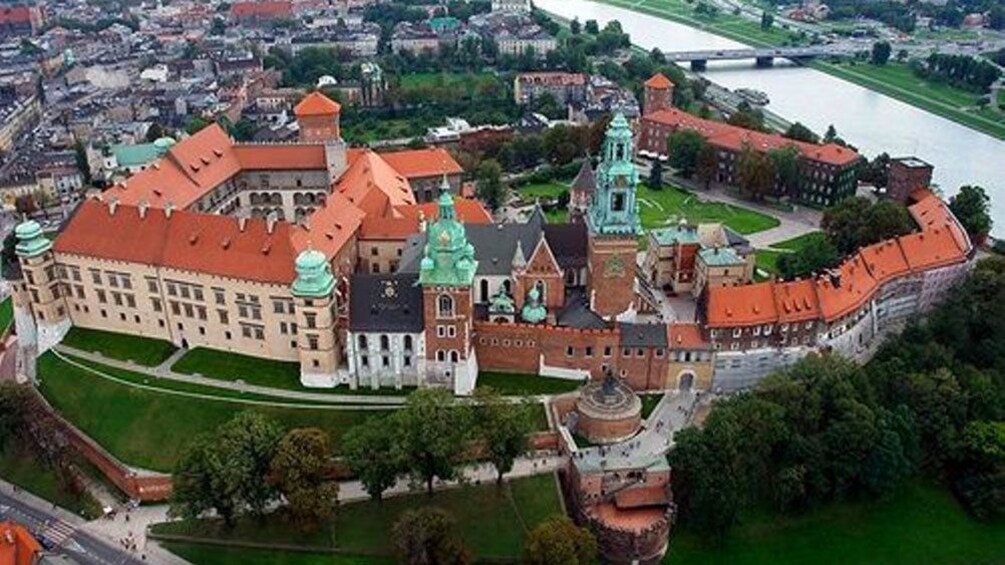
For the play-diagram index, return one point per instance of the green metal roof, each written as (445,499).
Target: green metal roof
(31,242)
(449,258)
(314,275)
(675,234)
(142,153)
(720,257)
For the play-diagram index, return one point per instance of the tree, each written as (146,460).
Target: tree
(785,162)
(810,259)
(755,173)
(558,541)
(250,440)
(490,186)
(656,175)
(81,159)
(432,429)
(13,412)
(575,27)
(971,206)
(591,27)
(369,452)
(880,53)
(427,537)
(746,116)
(799,132)
(154,132)
(766,20)
(853,223)
(707,165)
(502,427)
(684,146)
(195,124)
(301,470)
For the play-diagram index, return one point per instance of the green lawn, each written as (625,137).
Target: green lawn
(467,82)
(6,313)
(669,205)
(543,190)
(214,555)
(768,260)
(228,366)
(518,384)
(920,524)
(799,242)
(141,350)
(649,402)
(150,428)
(492,521)
(23,470)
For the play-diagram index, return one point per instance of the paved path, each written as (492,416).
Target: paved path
(67,533)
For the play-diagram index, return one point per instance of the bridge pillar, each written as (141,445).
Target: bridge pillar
(699,65)
(763,62)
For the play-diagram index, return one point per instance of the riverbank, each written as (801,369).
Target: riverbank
(926,96)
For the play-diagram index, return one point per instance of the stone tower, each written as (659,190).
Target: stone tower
(657,94)
(40,297)
(905,175)
(446,274)
(613,225)
(318,118)
(314,293)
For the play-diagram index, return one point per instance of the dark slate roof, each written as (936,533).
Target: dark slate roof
(585,180)
(385,303)
(734,239)
(643,335)
(567,243)
(577,314)
(494,246)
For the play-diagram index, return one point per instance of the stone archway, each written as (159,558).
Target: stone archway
(685,381)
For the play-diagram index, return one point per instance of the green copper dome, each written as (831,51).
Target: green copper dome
(449,259)
(502,303)
(613,208)
(533,311)
(314,275)
(31,242)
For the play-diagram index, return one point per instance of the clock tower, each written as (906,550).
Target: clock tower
(613,223)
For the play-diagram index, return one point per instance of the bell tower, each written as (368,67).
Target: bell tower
(40,287)
(446,274)
(314,293)
(613,225)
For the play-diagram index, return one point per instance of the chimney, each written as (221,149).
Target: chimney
(270,222)
(143,205)
(168,209)
(242,222)
(112,205)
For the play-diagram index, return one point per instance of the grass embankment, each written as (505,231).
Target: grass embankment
(921,523)
(767,259)
(519,384)
(667,206)
(6,313)
(150,428)
(725,24)
(492,521)
(144,351)
(24,470)
(897,81)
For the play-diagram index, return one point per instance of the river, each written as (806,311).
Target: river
(871,121)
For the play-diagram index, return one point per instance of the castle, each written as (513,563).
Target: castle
(348,262)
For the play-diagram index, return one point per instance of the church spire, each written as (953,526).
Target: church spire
(612,209)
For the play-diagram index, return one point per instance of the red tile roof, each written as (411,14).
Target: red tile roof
(372,185)
(746,305)
(682,335)
(422,163)
(735,138)
(281,157)
(660,81)
(17,545)
(329,228)
(317,104)
(405,219)
(15,14)
(187,241)
(885,260)
(843,295)
(469,211)
(271,9)
(936,247)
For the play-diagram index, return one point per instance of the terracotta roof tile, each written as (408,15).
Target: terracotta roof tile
(885,260)
(796,301)
(935,247)
(422,163)
(659,80)
(281,157)
(686,336)
(271,8)
(850,289)
(745,305)
(317,104)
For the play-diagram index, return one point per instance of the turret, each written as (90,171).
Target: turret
(41,286)
(314,291)
(657,94)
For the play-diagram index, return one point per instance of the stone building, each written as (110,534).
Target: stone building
(905,175)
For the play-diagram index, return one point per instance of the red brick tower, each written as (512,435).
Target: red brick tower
(657,94)
(318,118)
(905,175)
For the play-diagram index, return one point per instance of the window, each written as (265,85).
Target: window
(218,293)
(151,285)
(117,298)
(589,351)
(408,343)
(385,361)
(570,351)
(441,356)
(224,316)
(757,330)
(445,306)
(311,319)
(385,343)
(640,352)
(375,268)
(101,296)
(454,357)
(737,332)
(277,307)
(374,251)
(626,352)
(362,341)
(607,351)
(767,330)
(172,289)
(451,331)
(184,291)
(364,360)
(130,301)
(441,331)
(312,342)
(113,281)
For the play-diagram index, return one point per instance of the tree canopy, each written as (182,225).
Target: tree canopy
(853,223)
(302,471)
(427,536)
(558,541)
(972,207)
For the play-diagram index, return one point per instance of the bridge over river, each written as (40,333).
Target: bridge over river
(763,56)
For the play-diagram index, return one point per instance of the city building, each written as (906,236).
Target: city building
(514,32)
(511,6)
(16,118)
(264,12)
(905,175)
(686,258)
(565,88)
(20,20)
(657,94)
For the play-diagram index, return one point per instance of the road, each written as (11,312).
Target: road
(61,531)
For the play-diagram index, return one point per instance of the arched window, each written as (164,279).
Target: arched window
(454,357)
(542,289)
(484,288)
(445,306)
(385,343)
(362,342)
(440,356)
(408,343)
(508,287)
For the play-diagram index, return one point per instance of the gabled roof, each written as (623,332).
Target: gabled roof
(885,260)
(682,335)
(270,8)
(422,163)
(372,185)
(846,292)
(316,104)
(643,335)
(745,305)
(568,243)
(660,81)
(542,260)
(405,219)
(933,248)
(796,301)
(281,157)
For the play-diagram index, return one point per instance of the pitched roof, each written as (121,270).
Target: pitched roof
(468,210)
(885,260)
(568,243)
(847,290)
(17,545)
(643,335)
(659,80)
(385,303)
(735,138)
(933,248)
(329,228)
(187,241)
(585,180)
(796,301)
(271,8)
(682,335)
(745,305)
(576,313)
(281,157)
(368,172)
(316,104)
(422,163)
